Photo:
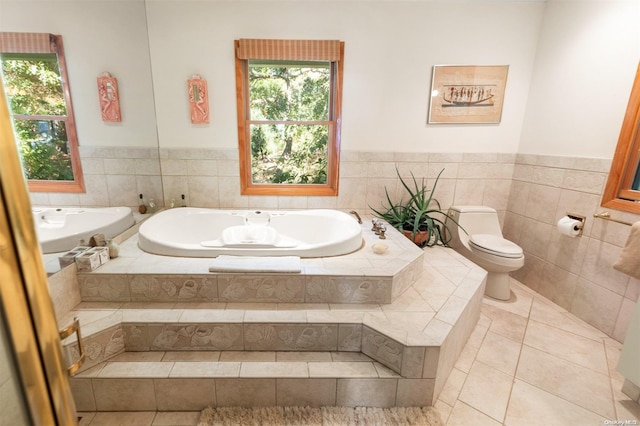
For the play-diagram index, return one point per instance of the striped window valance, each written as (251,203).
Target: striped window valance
(304,50)
(27,43)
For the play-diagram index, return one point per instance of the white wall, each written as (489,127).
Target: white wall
(99,36)
(587,58)
(390,49)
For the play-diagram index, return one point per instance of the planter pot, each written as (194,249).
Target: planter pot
(420,238)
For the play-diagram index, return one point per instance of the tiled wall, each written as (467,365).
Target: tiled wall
(209,178)
(575,273)
(113,176)
(530,192)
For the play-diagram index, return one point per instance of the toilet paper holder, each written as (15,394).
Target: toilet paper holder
(579,218)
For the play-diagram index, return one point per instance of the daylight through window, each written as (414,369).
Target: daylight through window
(289,116)
(34,79)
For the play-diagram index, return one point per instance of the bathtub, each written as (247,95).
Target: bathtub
(61,229)
(200,232)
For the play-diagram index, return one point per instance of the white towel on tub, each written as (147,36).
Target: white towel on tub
(225,263)
(629,261)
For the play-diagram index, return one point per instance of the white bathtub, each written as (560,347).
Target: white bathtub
(61,229)
(199,232)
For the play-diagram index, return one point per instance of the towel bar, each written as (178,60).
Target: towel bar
(606,216)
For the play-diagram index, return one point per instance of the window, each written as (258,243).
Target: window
(622,191)
(289,114)
(35,79)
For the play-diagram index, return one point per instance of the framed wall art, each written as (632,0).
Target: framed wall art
(467,93)
(198,100)
(109,98)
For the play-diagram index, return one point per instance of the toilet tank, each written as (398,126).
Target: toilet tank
(477,219)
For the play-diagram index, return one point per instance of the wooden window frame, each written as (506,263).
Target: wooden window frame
(618,194)
(76,185)
(247,187)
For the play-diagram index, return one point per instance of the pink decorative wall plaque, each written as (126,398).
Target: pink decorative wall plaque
(109,98)
(198,100)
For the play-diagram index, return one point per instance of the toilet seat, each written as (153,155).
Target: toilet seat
(495,245)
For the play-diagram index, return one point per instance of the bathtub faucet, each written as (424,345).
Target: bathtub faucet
(355,213)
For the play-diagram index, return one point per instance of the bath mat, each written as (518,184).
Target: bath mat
(325,416)
(225,263)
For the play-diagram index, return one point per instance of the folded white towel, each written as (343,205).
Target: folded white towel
(629,261)
(224,263)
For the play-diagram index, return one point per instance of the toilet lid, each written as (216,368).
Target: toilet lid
(496,245)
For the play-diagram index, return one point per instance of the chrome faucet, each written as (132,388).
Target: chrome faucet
(355,213)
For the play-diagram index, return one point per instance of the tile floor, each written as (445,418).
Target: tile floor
(527,362)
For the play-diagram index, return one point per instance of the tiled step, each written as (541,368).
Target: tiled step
(166,381)
(359,278)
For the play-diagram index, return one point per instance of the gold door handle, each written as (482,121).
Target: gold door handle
(68,331)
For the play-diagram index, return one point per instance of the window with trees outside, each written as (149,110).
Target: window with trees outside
(34,77)
(289,115)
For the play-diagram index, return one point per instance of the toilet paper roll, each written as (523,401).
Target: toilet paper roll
(569,227)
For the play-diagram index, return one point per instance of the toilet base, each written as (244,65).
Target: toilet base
(498,286)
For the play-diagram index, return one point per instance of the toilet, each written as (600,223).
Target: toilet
(483,244)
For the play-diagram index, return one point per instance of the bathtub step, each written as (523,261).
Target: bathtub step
(288,379)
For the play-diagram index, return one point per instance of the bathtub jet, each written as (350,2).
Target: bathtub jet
(200,232)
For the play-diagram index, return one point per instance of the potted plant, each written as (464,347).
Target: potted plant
(420,218)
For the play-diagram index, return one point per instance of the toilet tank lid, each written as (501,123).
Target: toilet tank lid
(473,209)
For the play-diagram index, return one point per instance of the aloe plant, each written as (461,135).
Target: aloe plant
(421,212)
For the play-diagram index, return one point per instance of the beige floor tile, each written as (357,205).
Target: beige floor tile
(136,369)
(275,316)
(349,356)
(143,418)
(207,356)
(212,315)
(546,312)
(274,369)
(627,410)
(452,387)
(505,323)
(466,358)
(384,371)
(500,353)
(342,369)
(568,346)
(532,406)
(240,356)
(519,303)
(576,384)
(487,390)
(304,356)
(179,418)
(465,415)
(138,357)
(205,369)
(444,410)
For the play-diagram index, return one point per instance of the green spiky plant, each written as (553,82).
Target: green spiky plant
(421,212)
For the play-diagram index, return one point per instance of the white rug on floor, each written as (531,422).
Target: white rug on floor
(224,263)
(325,416)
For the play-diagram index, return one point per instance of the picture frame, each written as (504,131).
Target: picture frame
(467,94)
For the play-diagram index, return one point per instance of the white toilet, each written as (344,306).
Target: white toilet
(484,245)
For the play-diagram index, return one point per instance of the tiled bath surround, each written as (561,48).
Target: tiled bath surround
(530,192)
(409,345)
